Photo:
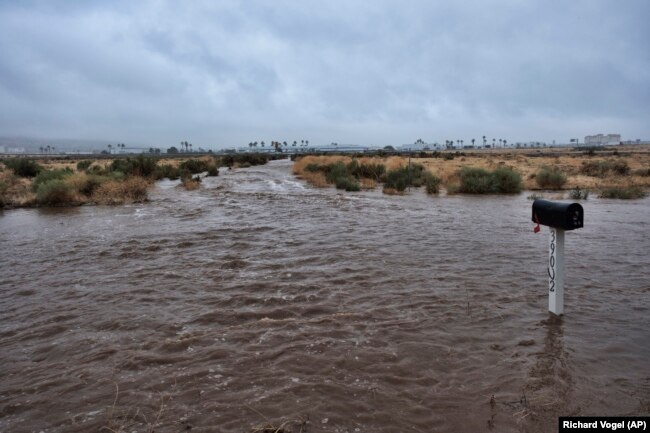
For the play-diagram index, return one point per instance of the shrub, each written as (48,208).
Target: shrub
(550,178)
(87,184)
(339,175)
(579,194)
(403,177)
(166,171)
(475,181)
(84,165)
(48,175)
(642,172)
(213,170)
(620,167)
(54,192)
(506,181)
(479,181)
(98,170)
(194,166)
(603,168)
(191,183)
(3,191)
(132,189)
(347,183)
(370,170)
(23,167)
(396,180)
(625,193)
(140,166)
(251,158)
(432,183)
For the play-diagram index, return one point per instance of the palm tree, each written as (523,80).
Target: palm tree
(262,143)
(504,143)
(41,149)
(484,141)
(190,147)
(461,143)
(110,147)
(302,142)
(473,140)
(500,141)
(306,143)
(494,142)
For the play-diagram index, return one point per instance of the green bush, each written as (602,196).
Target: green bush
(140,166)
(347,183)
(625,193)
(480,181)
(506,181)
(251,158)
(166,171)
(194,166)
(48,175)
(23,167)
(84,165)
(550,178)
(400,178)
(432,183)
(369,170)
(54,192)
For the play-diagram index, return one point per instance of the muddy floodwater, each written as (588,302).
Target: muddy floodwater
(260,300)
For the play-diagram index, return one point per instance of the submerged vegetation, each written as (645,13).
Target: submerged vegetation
(25,182)
(353,174)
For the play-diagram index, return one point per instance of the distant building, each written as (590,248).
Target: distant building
(602,140)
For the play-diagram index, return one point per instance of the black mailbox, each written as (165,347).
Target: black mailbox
(565,216)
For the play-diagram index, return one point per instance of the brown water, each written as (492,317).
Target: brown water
(258,299)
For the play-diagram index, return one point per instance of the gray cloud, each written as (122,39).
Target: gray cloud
(381,72)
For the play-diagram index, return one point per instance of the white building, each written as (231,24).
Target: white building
(601,140)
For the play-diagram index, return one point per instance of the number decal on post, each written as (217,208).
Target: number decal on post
(551,262)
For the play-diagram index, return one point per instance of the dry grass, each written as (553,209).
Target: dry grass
(15,191)
(300,165)
(190,183)
(527,162)
(367,183)
(316,179)
(112,192)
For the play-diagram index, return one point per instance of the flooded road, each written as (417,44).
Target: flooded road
(260,300)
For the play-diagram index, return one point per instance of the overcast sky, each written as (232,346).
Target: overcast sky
(224,73)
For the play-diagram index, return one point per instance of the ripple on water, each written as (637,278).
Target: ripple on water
(260,299)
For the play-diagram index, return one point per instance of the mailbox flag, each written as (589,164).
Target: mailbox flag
(537,227)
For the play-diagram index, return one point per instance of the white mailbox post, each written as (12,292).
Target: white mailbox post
(559,217)
(556,272)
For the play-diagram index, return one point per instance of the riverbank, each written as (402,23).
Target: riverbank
(74,182)
(602,171)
